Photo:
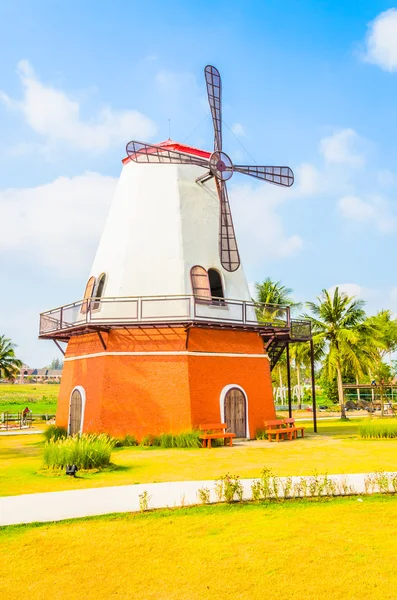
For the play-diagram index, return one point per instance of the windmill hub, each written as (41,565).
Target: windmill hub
(221,166)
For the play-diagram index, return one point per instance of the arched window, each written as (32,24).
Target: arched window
(89,290)
(200,284)
(99,291)
(215,284)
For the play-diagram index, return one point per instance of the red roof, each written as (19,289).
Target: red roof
(171,145)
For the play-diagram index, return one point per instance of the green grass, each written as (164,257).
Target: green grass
(40,398)
(336,449)
(379,428)
(340,549)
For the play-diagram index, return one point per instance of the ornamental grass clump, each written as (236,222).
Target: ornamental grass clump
(185,439)
(378,429)
(88,451)
(54,432)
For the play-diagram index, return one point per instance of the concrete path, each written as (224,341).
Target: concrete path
(21,432)
(56,506)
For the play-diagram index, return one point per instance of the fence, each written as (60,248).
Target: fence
(17,420)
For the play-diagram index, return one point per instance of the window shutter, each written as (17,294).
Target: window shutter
(200,283)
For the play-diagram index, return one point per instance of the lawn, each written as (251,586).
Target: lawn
(336,449)
(41,398)
(337,549)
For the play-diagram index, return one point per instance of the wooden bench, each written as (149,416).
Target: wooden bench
(277,428)
(213,431)
(291,423)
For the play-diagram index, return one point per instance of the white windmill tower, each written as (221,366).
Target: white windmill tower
(167,322)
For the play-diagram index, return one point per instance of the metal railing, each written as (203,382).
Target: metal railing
(162,309)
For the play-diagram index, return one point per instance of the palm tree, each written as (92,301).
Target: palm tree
(384,322)
(269,295)
(341,329)
(9,364)
(275,294)
(300,354)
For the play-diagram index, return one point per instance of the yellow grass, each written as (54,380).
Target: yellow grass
(340,549)
(337,449)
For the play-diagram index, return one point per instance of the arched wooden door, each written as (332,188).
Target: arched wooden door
(76,409)
(235,412)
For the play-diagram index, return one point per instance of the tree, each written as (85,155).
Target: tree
(300,354)
(9,364)
(387,326)
(273,293)
(344,334)
(55,364)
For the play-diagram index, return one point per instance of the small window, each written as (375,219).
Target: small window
(200,284)
(89,290)
(215,284)
(99,291)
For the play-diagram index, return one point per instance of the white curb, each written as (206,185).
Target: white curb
(57,506)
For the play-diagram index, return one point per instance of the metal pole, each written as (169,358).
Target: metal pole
(313,387)
(289,383)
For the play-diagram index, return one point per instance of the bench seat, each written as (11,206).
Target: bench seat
(213,431)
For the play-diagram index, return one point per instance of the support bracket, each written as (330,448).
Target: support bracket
(204,178)
(59,347)
(101,338)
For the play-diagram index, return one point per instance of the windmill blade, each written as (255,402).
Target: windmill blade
(146,153)
(214,91)
(228,250)
(277,175)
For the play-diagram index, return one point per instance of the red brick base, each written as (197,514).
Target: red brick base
(158,385)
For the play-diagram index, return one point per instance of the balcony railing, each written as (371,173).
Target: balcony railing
(161,309)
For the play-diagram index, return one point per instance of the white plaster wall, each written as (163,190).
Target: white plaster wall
(160,224)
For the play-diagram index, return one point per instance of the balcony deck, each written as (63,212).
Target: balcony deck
(104,314)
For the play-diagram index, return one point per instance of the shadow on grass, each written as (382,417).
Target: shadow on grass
(84,473)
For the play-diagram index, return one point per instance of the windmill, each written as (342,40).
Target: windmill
(219,165)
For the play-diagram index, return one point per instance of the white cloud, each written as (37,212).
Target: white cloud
(375,210)
(238,129)
(341,148)
(51,113)
(354,289)
(57,224)
(307,179)
(381,41)
(260,230)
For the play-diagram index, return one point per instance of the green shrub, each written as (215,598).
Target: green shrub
(128,440)
(88,451)
(149,440)
(185,439)
(229,488)
(379,428)
(54,432)
(261,434)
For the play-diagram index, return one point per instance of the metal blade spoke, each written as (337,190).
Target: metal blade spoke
(228,250)
(214,91)
(277,175)
(146,153)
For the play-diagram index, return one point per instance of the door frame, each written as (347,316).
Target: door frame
(80,389)
(222,397)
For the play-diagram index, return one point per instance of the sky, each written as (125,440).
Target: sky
(309,84)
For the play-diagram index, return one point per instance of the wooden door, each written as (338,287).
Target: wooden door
(235,412)
(76,406)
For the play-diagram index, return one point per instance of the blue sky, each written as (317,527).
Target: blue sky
(310,84)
